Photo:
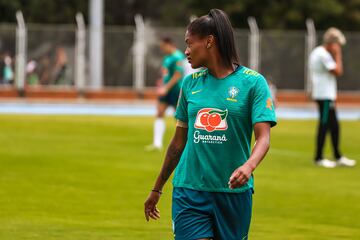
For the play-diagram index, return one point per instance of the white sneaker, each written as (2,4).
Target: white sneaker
(325,163)
(152,148)
(344,161)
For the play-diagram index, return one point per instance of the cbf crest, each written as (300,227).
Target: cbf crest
(232,94)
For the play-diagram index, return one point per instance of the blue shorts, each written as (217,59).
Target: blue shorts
(220,216)
(171,98)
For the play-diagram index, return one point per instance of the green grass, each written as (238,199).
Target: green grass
(84,177)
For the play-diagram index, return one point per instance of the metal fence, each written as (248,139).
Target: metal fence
(118,57)
(351,53)
(50,55)
(282,58)
(51,59)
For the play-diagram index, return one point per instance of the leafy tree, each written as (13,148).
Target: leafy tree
(270,14)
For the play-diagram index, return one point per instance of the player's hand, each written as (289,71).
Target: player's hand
(335,49)
(151,211)
(240,176)
(162,91)
(159,82)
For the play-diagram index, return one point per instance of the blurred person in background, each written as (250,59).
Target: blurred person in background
(168,89)
(325,66)
(32,77)
(8,73)
(61,61)
(43,69)
(219,109)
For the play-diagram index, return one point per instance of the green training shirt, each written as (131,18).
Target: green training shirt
(220,114)
(172,63)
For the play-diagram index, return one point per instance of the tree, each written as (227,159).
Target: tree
(270,14)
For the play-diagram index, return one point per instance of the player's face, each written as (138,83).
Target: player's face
(165,47)
(196,52)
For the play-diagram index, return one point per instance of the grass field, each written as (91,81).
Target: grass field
(84,177)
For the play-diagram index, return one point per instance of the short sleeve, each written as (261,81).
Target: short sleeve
(328,61)
(262,103)
(182,105)
(179,67)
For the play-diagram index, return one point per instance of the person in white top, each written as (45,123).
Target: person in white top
(325,65)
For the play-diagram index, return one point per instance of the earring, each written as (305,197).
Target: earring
(208,46)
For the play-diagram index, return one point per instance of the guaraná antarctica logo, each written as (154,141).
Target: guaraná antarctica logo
(210,119)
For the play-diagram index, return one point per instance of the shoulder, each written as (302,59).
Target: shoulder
(191,79)
(250,75)
(198,74)
(320,51)
(178,56)
(254,82)
(248,72)
(166,58)
(317,50)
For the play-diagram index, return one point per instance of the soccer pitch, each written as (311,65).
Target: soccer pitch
(86,178)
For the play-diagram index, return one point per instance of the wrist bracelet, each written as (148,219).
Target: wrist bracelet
(158,191)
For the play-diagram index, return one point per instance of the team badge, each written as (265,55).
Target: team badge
(232,94)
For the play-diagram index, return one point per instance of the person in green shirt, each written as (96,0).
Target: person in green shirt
(172,72)
(218,110)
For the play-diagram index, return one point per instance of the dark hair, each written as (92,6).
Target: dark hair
(168,40)
(217,23)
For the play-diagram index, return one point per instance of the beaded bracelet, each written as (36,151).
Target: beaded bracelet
(158,191)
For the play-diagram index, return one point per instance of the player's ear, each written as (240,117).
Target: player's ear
(210,41)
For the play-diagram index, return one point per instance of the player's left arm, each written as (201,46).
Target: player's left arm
(178,74)
(166,88)
(262,144)
(172,159)
(174,79)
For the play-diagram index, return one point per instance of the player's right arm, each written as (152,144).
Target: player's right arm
(172,159)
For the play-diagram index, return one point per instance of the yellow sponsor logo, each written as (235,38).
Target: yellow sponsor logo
(251,72)
(231,99)
(198,74)
(195,92)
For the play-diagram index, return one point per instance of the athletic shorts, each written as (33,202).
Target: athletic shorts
(220,216)
(171,98)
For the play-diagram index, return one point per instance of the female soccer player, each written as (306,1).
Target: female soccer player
(218,110)
(172,74)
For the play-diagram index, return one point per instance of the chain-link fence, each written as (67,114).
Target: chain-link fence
(351,60)
(282,57)
(118,57)
(242,43)
(51,55)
